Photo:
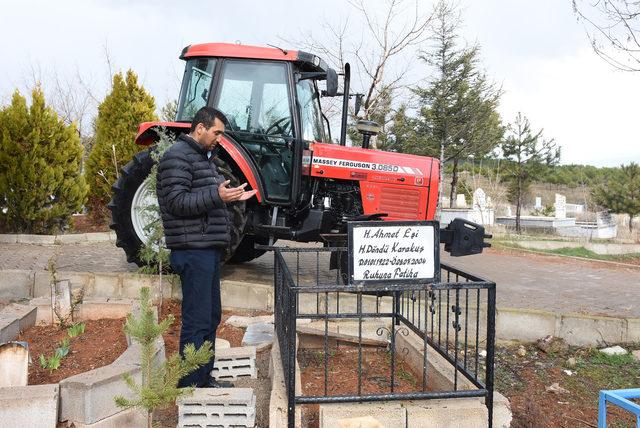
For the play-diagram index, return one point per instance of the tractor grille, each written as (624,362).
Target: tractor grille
(400,203)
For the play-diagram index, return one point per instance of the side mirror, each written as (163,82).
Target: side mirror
(332,83)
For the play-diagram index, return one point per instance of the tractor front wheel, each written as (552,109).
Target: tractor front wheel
(133,194)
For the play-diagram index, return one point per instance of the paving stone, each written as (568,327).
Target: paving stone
(257,334)
(243,322)
(88,397)
(217,407)
(234,363)
(29,406)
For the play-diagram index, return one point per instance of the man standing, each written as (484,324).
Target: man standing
(192,196)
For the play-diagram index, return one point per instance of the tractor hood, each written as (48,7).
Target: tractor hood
(354,163)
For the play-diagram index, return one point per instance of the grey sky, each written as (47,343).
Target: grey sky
(535,49)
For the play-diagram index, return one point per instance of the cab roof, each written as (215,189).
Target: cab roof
(230,50)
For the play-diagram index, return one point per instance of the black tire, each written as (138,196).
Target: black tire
(246,251)
(124,189)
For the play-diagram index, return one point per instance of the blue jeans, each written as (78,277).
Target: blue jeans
(199,272)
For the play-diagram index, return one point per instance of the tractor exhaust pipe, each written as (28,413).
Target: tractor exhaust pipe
(345,104)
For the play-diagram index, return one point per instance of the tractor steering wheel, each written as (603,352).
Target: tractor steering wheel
(281,126)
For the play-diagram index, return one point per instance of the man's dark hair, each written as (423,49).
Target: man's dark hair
(206,116)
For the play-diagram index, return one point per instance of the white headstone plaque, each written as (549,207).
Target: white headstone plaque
(538,204)
(561,206)
(461,201)
(479,199)
(394,252)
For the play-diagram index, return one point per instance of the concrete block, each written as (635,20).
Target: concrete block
(98,308)
(43,309)
(633,330)
(88,397)
(78,280)
(450,413)
(72,238)
(132,283)
(220,407)
(388,414)
(131,356)
(126,418)
(234,363)
(243,322)
(245,295)
(582,330)
(257,334)
(501,411)
(36,239)
(26,314)
(16,284)
(8,239)
(97,236)
(29,406)
(9,329)
(526,325)
(106,285)
(278,397)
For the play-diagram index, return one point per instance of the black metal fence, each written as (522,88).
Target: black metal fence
(453,319)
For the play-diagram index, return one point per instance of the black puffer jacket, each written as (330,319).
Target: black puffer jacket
(193,215)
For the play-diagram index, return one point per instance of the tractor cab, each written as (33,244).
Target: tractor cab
(272,103)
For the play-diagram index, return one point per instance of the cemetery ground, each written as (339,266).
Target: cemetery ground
(537,383)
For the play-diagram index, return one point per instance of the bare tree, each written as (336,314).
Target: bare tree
(613,30)
(376,48)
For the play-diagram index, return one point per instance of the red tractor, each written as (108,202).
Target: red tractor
(279,141)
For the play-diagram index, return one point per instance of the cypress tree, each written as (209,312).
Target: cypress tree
(40,180)
(119,115)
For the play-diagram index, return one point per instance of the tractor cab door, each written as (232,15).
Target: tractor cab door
(256,97)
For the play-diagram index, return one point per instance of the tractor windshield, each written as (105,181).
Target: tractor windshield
(196,85)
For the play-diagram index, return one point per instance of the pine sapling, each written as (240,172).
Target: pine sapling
(159,386)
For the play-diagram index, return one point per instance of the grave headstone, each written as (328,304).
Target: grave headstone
(509,213)
(561,206)
(445,202)
(461,201)
(14,364)
(538,204)
(479,199)
(61,300)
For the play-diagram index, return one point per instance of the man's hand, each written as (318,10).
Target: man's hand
(232,194)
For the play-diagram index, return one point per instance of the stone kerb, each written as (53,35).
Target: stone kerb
(29,406)
(72,238)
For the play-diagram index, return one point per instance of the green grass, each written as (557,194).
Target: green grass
(577,252)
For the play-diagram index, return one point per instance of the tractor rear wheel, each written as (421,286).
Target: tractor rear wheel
(133,191)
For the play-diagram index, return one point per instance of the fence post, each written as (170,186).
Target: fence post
(491,335)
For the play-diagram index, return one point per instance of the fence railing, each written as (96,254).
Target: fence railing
(453,319)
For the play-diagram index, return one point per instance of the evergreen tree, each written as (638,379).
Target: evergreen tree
(119,115)
(527,154)
(40,181)
(620,191)
(458,115)
(159,386)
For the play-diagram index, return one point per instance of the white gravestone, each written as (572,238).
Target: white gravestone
(14,364)
(445,202)
(538,204)
(461,201)
(479,199)
(561,206)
